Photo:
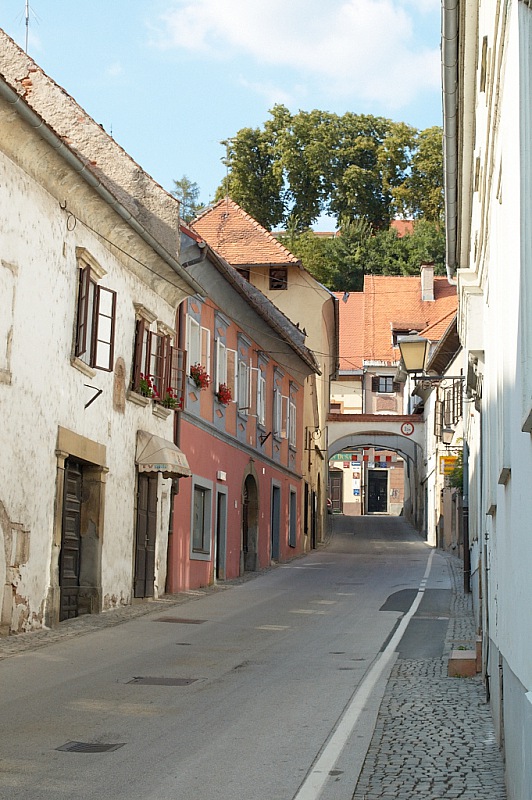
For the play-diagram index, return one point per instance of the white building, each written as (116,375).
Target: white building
(487,72)
(89,278)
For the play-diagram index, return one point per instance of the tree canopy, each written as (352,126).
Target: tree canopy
(352,167)
(187,192)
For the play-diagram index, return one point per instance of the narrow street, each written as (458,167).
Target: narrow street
(264,690)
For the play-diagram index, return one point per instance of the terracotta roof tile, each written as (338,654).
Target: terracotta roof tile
(240,239)
(435,331)
(389,299)
(402,226)
(351,335)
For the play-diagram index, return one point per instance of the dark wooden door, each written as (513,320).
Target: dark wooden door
(335,491)
(145,536)
(70,556)
(377,491)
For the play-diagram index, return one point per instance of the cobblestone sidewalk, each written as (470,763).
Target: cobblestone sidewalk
(434,738)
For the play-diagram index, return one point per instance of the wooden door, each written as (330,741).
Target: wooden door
(377,491)
(70,556)
(145,536)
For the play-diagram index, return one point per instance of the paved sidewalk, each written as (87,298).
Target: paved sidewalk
(434,737)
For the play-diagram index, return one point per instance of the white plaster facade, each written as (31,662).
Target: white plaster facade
(55,216)
(492,255)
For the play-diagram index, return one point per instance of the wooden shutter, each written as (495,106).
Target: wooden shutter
(139,363)
(221,364)
(205,352)
(83,309)
(292,423)
(193,341)
(374,383)
(285,416)
(176,372)
(104,329)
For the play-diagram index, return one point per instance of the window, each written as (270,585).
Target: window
(384,384)
(278,278)
(277,413)
(244,272)
(156,357)
(292,519)
(198,344)
(243,387)
(292,423)
(95,321)
(261,398)
(201,519)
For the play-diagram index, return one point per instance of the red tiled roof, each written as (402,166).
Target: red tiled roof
(396,298)
(351,334)
(402,226)
(239,238)
(435,331)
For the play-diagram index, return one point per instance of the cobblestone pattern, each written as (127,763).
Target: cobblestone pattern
(434,738)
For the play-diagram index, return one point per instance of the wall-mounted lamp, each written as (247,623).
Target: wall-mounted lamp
(447,436)
(414,355)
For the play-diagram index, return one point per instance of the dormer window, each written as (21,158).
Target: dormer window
(278,278)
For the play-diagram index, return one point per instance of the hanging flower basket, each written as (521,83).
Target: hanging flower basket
(223,395)
(200,376)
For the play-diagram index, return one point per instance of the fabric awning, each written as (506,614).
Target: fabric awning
(159,455)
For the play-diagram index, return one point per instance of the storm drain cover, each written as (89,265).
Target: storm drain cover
(180,619)
(89,747)
(164,681)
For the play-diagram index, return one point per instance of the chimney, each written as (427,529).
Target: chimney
(427,281)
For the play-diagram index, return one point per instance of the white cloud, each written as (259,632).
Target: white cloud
(365,48)
(272,93)
(115,70)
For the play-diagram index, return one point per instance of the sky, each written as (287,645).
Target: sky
(171,79)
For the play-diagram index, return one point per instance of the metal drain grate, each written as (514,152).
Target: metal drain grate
(183,620)
(89,747)
(163,681)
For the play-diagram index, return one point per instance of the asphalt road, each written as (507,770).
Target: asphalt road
(263,691)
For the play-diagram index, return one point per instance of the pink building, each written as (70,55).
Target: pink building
(241,429)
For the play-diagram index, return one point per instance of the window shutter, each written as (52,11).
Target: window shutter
(261,398)
(221,364)
(205,358)
(284,416)
(396,386)
(103,342)
(177,366)
(231,376)
(276,413)
(193,341)
(292,423)
(243,387)
(139,362)
(374,383)
(83,308)
(254,373)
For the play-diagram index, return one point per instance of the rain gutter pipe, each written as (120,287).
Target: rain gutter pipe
(450,130)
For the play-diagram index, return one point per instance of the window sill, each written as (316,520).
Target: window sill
(198,555)
(161,411)
(76,362)
(137,398)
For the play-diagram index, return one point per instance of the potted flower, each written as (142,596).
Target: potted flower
(200,376)
(223,395)
(147,387)
(170,399)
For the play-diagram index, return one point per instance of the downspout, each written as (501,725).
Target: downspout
(36,122)
(450,130)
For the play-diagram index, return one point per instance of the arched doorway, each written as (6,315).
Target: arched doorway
(250,525)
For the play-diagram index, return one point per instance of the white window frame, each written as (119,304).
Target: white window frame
(292,423)
(243,388)
(206,488)
(198,345)
(261,398)
(277,402)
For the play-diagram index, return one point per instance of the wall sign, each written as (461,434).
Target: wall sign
(407,429)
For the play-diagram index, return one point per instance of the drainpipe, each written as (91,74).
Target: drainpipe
(36,122)
(450,140)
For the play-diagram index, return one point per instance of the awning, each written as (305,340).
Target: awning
(159,455)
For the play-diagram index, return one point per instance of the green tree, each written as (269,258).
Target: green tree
(353,166)
(187,192)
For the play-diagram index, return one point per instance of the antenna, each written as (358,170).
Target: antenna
(27,14)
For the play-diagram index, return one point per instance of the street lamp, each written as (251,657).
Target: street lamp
(414,352)
(447,436)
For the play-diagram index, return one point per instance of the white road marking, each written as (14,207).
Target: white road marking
(305,611)
(313,784)
(272,627)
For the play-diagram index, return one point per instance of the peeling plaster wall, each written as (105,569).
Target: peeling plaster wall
(40,389)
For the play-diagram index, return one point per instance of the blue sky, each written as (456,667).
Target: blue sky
(172,78)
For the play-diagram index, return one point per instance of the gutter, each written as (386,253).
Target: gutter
(450,130)
(35,121)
